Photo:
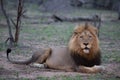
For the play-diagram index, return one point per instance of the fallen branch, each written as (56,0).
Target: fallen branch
(56,18)
(61,19)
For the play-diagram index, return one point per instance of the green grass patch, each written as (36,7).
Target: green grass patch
(59,32)
(2,46)
(46,78)
(110,56)
(71,78)
(111,30)
(78,77)
(14,79)
(24,79)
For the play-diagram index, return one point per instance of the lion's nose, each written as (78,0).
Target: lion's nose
(85,44)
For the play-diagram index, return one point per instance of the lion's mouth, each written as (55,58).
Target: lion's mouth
(86,50)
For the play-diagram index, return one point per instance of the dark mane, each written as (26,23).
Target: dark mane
(80,60)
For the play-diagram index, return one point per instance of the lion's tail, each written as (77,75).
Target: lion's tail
(18,62)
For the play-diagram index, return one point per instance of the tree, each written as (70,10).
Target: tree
(13,40)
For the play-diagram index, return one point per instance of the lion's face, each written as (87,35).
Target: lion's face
(84,40)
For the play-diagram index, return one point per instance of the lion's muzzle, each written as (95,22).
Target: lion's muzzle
(86,47)
(86,50)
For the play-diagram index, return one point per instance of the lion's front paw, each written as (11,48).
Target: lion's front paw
(99,68)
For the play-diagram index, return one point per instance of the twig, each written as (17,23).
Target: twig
(12,22)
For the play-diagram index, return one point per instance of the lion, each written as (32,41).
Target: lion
(81,55)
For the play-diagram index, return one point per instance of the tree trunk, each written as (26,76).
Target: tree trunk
(19,13)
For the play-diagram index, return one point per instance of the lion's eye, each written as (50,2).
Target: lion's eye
(90,37)
(75,33)
(81,36)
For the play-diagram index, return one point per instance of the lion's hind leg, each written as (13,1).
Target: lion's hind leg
(93,69)
(44,56)
(41,60)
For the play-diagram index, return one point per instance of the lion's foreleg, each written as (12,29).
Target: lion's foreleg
(93,69)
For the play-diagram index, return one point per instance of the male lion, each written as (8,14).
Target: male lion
(81,55)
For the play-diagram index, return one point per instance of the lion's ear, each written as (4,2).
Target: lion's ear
(96,31)
(86,25)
